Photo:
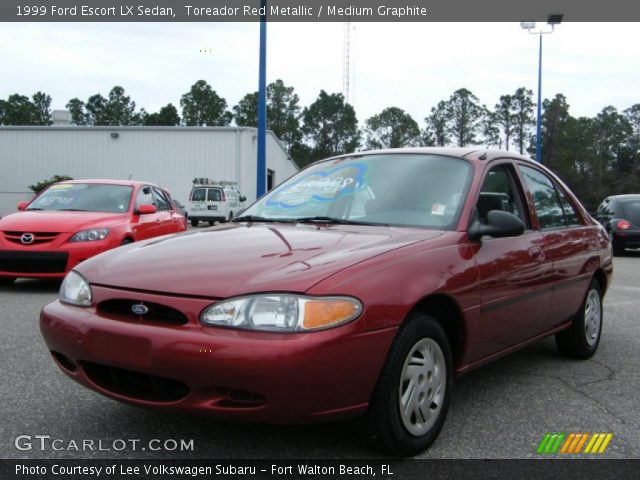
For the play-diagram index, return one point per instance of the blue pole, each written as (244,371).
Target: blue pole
(262,104)
(539,119)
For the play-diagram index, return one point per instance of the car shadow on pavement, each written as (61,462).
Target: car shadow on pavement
(30,285)
(227,440)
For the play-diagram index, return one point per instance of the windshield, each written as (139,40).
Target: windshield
(385,189)
(631,209)
(84,197)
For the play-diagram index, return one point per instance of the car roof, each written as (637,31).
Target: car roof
(470,153)
(624,197)
(129,183)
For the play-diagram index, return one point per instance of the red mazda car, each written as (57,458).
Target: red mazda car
(75,220)
(360,286)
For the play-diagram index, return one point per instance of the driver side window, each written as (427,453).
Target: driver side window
(145,197)
(500,192)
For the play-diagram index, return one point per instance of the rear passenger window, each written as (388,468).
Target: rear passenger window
(162,203)
(545,198)
(198,195)
(569,211)
(214,195)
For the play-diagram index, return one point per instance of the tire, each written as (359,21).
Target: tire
(581,340)
(230,217)
(126,241)
(618,249)
(211,223)
(194,222)
(6,281)
(407,377)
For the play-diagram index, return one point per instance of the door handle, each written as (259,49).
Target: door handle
(537,253)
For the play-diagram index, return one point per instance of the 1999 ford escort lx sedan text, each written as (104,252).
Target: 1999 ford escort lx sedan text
(361,285)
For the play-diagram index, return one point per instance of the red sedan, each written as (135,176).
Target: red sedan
(72,221)
(360,286)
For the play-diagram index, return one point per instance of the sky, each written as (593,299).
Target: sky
(407,65)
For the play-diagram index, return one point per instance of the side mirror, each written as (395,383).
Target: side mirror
(243,198)
(499,224)
(22,205)
(146,209)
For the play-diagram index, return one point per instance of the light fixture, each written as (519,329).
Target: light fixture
(555,19)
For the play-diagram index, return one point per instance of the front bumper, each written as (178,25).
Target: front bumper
(627,238)
(46,261)
(234,374)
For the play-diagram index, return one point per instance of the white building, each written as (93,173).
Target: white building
(168,156)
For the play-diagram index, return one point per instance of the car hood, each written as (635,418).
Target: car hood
(49,221)
(232,260)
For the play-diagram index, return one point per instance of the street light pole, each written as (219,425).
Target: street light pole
(539,115)
(262,105)
(552,20)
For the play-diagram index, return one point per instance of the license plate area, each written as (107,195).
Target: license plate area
(112,347)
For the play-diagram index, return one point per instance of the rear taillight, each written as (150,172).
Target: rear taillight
(623,224)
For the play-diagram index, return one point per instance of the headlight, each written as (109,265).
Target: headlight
(90,235)
(284,312)
(75,290)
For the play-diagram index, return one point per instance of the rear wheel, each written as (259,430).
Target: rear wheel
(126,241)
(194,222)
(6,281)
(211,223)
(618,248)
(581,340)
(410,403)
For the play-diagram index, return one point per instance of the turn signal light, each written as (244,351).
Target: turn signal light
(323,313)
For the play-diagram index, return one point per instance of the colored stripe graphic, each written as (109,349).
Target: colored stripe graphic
(572,443)
(550,443)
(584,439)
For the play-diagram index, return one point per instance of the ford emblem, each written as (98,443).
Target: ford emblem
(139,309)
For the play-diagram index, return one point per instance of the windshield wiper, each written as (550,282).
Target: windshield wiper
(32,209)
(72,210)
(256,218)
(329,220)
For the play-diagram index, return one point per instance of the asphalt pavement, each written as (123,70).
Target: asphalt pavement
(502,410)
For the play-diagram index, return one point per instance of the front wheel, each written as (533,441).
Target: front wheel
(194,222)
(581,340)
(410,403)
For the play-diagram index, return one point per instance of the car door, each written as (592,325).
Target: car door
(514,272)
(568,242)
(167,222)
(178,220)
(146,225)
(604,214)
(215,203)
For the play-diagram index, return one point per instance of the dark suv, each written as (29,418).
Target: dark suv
(620,215)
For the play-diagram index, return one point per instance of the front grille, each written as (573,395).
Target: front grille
(121,309)
(33,262)
(38,237)
(135,385)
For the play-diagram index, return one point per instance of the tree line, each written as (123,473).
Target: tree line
(595,156)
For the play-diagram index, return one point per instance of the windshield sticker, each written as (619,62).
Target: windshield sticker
(437,209)
(62,186)
(57,199)
(327,186)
